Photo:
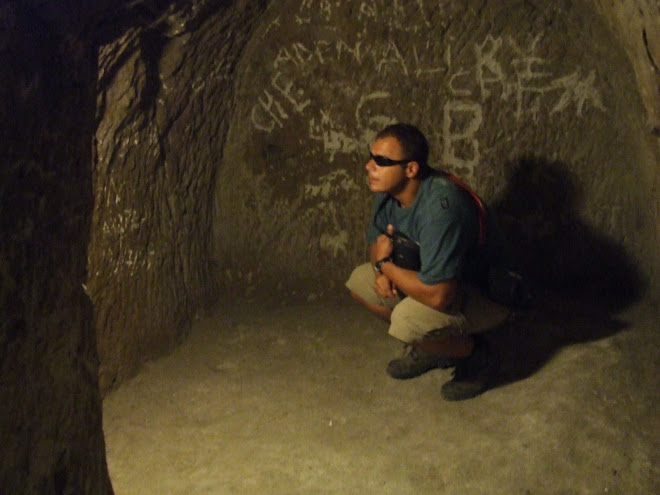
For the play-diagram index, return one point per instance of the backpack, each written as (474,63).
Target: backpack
(492,269)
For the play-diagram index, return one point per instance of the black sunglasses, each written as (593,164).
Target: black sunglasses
(383,161)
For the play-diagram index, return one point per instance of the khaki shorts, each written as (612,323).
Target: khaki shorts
(412,320)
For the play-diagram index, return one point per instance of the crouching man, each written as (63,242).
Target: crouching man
(425,228)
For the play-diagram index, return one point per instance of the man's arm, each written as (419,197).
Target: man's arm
(438,296)
(383,285)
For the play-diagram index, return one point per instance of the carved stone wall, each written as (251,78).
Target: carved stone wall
(528,102)
(636,25)
(534,103)
(229,150)
(50,405)
(165,96)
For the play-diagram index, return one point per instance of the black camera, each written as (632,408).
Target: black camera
(405,252)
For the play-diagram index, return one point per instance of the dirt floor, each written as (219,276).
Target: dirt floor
(293,398)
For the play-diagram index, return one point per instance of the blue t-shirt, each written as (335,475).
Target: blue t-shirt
(443,220)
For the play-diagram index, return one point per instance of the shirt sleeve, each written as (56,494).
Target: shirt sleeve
(446,234)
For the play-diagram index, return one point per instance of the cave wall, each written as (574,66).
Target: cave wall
(536,104)
(164,101)
(50,405)
(635,24)
(231,146)
(296,114)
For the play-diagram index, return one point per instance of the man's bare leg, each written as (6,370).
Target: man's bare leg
(382,312)
(451,346)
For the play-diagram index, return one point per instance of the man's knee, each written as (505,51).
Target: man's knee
(413,321)
(404,324)
(383,312)
(361,284)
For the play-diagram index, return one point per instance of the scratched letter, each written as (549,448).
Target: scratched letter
(488,69)
(267,113)
(461,120)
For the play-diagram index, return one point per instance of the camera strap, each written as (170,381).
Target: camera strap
(481,208)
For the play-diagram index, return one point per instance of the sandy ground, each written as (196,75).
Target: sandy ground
(293,398)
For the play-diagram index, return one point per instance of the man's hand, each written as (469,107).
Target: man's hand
(384,244)
(382,248)
(384,287)
(437,296)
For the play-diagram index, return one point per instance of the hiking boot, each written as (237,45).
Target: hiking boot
(473,375)
(417,362)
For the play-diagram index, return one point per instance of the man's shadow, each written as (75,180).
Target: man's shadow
(580,278)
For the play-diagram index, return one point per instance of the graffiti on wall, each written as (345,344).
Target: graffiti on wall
(331,83)
(496,67)
(119,229)
(325,196)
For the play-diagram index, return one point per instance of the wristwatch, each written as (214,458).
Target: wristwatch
(379,264)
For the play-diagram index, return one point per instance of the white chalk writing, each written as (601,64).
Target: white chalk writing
(579,91)
(496,67)
(270,112)
(324,194)
(469,115)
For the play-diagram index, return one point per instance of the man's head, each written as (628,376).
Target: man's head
(398,160)
(413,143)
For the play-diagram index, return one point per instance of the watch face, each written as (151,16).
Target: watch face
(379,264)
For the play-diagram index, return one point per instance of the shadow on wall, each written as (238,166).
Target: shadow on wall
(538,212)
(581,278)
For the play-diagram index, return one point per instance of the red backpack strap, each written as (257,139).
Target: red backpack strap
(481,208)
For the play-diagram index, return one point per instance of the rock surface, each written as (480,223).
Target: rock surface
(223,156)
(50,404)
(294,398)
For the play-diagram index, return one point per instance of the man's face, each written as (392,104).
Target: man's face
(388,179)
